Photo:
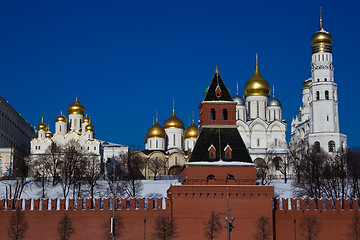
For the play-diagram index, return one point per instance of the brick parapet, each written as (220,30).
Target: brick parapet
(130,204)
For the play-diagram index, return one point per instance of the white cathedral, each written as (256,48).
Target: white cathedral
(317,122)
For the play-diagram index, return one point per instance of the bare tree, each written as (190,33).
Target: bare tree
(92,175)
(310,172)
(164,228)
(352,157)
(157,166)
(310,227)
(71,166)
(65,228)
(119,225)
(212,226)
(18,225)
(354,233)
(262,170)
(263,227)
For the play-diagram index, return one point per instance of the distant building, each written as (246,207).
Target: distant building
(77,129)
(15,135)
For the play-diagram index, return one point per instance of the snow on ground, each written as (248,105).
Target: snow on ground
(150,188)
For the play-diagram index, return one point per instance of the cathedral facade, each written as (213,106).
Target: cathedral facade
(317,122)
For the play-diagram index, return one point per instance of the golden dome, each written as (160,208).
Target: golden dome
(191,131)
(257,85)
(61,118)
(155,130)
(48,134)
(173,122)
(307,84)
(86,119)
(42,126)
(89,127)
(76,108)
(321,37)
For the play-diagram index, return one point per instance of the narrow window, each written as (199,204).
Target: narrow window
(331,146)
(156,143)
(317,95)
(174,139)
(94,148)
(258,142)
(326,94)
(318,79)
(60,128)
(327,118)
(257,109)
(213,115)
(325,79)
(225,114)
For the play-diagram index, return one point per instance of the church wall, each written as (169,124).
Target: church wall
(205,114)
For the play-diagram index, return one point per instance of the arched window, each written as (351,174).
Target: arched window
(225,114)
(212,114)
(318,79)
(210,177)
(325,79)
(331,145)
(317,145)
(326,94)
(317,95)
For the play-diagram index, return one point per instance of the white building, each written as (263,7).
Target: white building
(259,119)
(15,134)
(317,122)
(74,129)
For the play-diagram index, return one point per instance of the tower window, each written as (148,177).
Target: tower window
(258,142)
(317,145)
(318,79)
(331,146)
(225,114)
(325,79)
(212,114)
(317,95)
(326,94)
(257,109)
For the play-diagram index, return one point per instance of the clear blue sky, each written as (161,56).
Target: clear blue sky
(127,59)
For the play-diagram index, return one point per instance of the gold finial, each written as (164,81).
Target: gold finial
(189,120)
(61,112)
(257,59)
(173,105)
(156,116)
(273,91)
(153,120)
(237,88)
(42,118)
(216,70)
(321,27)
(193,117)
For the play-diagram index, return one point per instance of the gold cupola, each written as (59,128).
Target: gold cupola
(192,131)
(89,127)
(173,122)
(76,108)
(155,130)
(257,85)
(307,84)
(48,134)
(61,118)
(42,126)
(321,41)
(86,119)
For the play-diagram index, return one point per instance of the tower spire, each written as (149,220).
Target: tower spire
(237,88)
(273,91)
(173,105)
(321,27)
(216,70)
(257,59)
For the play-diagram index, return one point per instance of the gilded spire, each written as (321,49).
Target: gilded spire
(173,105)
(321,27)
(257,59)
(273,91)
(216,70)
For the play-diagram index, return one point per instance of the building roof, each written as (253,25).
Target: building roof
(228,136)
(211,91)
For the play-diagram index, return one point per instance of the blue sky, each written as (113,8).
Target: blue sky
(127,59)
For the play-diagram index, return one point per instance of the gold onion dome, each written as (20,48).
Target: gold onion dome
(257,85)
(191,131)
(173,122)
(86,119)
(89,127)
(321,36)
(307,84)
(61,118)
(42,126)
(48,134)
(155,130)
(76,108)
